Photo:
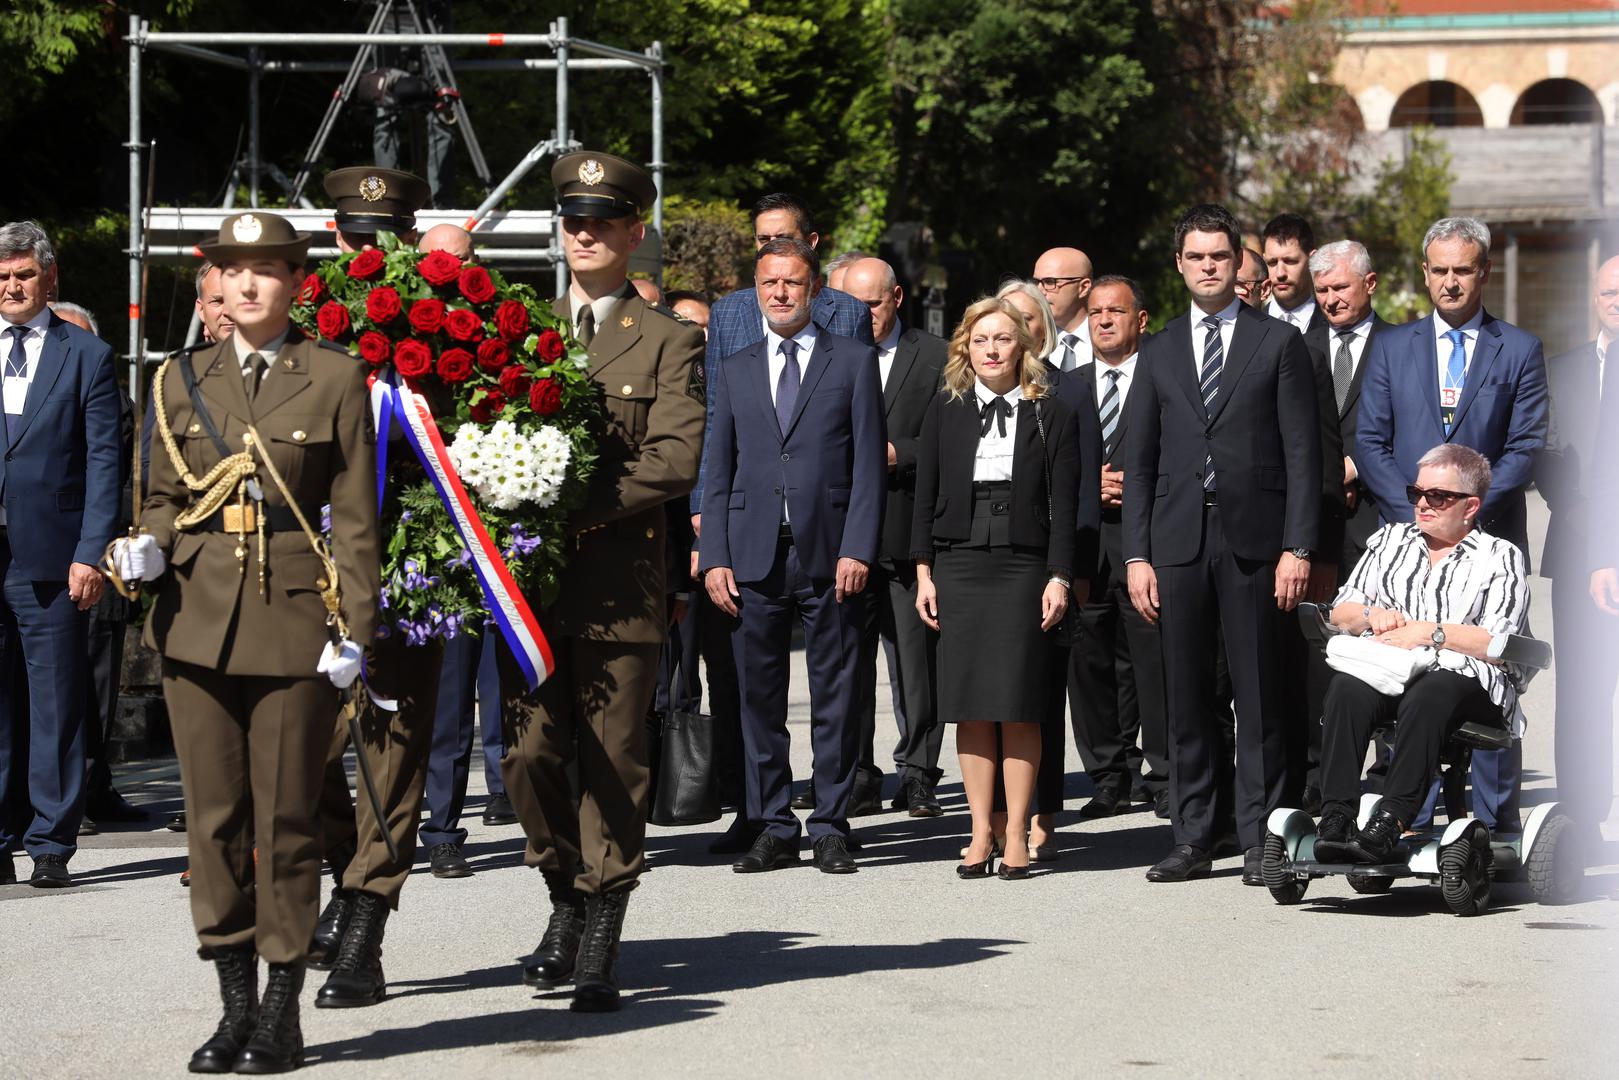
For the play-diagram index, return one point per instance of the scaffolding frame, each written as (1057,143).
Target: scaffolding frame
(206,47)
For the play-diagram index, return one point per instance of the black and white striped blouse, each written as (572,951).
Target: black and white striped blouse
(1481,582)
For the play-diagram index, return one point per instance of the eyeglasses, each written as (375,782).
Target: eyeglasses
(1438,498)
(1251,283)
(1050,284)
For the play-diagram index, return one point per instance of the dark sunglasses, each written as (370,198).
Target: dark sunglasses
(1438,498)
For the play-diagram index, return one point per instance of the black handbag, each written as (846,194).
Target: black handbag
(687,791)
(1067,632)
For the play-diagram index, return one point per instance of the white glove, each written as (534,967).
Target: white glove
(340,662)
(138,559)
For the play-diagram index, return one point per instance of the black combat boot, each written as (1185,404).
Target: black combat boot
(356,977)
(334,917)
(238,970)
(594,988)
(277,1044)
(553,958)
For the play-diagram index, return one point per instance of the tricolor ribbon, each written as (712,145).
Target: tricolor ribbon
(390,402)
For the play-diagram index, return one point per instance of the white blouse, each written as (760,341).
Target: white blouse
(993,460)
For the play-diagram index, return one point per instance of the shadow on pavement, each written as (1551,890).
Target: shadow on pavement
(666,982)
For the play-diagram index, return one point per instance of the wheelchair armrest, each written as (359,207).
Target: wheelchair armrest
(1527,652)
(1316,624)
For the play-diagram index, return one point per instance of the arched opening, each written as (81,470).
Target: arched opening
(1557,101)
(1436,104)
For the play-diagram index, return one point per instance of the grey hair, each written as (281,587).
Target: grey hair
(1354,252)
(1472,466)
(59,306)
(202,275)
(1042,305)
(19,238)
(1467,228)
(844,258)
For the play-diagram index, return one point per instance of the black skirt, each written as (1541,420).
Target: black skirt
(993,656)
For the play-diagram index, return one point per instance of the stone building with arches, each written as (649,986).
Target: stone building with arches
(1525,96)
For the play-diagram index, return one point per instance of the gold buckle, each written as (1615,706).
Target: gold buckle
(239,519)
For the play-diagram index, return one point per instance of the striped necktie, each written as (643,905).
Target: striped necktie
(1109,411)
(1213,361)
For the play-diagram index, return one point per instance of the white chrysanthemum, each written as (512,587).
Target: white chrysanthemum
(508,468)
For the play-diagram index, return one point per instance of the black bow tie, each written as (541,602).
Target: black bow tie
(995,411)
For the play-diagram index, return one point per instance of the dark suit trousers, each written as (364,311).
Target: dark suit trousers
(1587,641)
(911,651)
(42,727)
(108,620)
(1116,692)
(1219,588)
(762,641)
(468,691)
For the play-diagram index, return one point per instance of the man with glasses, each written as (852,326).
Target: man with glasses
(1464,377)
(1064,275)
(1253,280)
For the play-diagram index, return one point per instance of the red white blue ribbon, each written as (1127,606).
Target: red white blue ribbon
(505,601)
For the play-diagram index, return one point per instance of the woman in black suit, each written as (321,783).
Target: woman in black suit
(998,464)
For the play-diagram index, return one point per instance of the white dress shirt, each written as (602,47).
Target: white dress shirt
(1299,316)
(244,350)
(993,459)
(777,363)
(602,307)
(1442,345)
(1127,375)
(1200,334)
(1079,339)
(886,348)
(33,344)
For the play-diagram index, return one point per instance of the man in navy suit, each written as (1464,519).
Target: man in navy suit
(791,517)
(1584,381)
(1459,375)
(60,483)
(734,323)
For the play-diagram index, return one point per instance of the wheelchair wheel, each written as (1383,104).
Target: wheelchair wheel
(1277,870)
(1555,867)
(1371,886)
(1464,874)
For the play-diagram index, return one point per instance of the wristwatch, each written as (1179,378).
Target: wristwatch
(1438,636)
(1300,553)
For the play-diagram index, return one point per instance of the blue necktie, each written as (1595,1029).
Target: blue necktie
(787,385)
(1213,361)
(1455,376)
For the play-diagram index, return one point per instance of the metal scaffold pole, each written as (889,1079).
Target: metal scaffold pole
(136,346)
(559,32)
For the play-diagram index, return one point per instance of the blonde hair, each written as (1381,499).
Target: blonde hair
(958,369)
(1048,322)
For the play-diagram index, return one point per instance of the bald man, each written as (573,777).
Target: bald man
(1064,276)
(452,238)
(649,290)
(1584,384)
(837,266)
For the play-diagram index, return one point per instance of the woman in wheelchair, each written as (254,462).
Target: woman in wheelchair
(1436,583)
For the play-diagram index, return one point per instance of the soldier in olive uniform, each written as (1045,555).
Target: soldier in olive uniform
(240,616)
(607,624)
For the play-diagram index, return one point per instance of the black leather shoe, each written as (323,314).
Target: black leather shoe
(919,798)
(88,828)
(804,800)
(595,988)
(1376,843)
(50,872)
(109,806)
(1253,863)
(1012,873)
(832,855)
(1183,863)
(238,971)
(498,811)
(1311,803)
(867,796)
(767,853)
(1106,802)
(277,1042)
(329,928)
(553,960)
(357,979)
(737,839)
(8,869)
(448,862)
(1332,837)
(176,823)
(1160,804)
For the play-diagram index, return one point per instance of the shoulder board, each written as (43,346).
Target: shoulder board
(668,314)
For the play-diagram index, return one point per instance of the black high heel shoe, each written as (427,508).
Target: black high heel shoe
(981,869)
(1007,872)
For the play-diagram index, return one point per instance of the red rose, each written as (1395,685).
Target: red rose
(375,347)
(367,264)
(382,304)
(439,267)
(550,346)
(493,354)
(511,319)
(332,320)
(311,290)
(463,325)
(413,358)
(455,365)
(476,285)
(514,381)
(426,316)
(488,407)
(545,397)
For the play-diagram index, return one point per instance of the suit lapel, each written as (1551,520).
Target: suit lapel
(1427,375)
(1485,351)
(904,357)
(52,359)
(621,332)
(220,380)
(1182,364)
(1378,325)
(753,361)
(959,437)
(1245,339)
(820,359)
(285,380)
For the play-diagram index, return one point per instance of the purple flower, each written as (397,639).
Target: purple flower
(326,519)
(463,558)
(522,543)
(405,515)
